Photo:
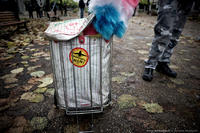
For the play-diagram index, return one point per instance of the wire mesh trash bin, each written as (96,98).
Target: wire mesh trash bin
(81,67)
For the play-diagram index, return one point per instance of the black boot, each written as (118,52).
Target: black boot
(148,74)
(163,67)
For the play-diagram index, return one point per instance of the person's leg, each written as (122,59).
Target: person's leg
(177,28)
(47,15)
(165,20)
(65,11)
(37,14)
(31,14)
(81,12)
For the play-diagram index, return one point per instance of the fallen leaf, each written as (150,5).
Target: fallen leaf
(24,62)
(39,123)
(194,67)
(34,50)
(32,97)
(141,102)
(191,41)
(126,101)
(47,58)
(45,81)
(34,60)
(37,74)
(177,81)
(181,52)
(11,44)
(33,68)
(127,74)
(27,40)
(149,44)
(18,70)
(25,57)
(38,54)
(41,54)
(185,59)
(40,90)
(33,80)
(12,75)
(6,58)
(153,108)
(50,91)
(27,87)
(171,85)
(26,65)
(174,67)
(12,50)
(10,86)
(31,45)
(143,51)
(13,64)
(10,80)
(118,79)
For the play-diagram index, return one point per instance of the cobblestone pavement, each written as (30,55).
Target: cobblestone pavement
(163,105)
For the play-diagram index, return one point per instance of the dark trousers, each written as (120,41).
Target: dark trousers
(171,19)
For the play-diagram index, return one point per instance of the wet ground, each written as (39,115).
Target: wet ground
(163,105)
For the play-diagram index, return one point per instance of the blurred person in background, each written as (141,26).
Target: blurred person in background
(82,7)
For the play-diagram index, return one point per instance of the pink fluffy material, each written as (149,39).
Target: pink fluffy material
(133,3)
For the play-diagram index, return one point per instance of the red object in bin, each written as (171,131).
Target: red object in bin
(90,30)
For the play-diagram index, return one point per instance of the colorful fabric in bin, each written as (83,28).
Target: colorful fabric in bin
(112,16)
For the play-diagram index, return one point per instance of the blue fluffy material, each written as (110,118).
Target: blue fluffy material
(120,29)
(107,21)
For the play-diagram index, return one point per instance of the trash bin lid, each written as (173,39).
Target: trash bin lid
(68,29)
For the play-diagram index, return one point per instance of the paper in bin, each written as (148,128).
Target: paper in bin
(68,29)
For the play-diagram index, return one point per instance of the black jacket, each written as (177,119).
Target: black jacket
(81,4)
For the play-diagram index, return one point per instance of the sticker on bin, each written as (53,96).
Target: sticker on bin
(79,57)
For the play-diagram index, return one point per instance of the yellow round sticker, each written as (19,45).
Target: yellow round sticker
(79,57)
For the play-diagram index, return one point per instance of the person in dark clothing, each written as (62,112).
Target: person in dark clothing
(60,8)
(38,11)
(88,2)
(54,7)
(65,9)
(82,7)
(29,8)
(47,9)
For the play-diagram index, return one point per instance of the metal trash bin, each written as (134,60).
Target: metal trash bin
(81,67)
